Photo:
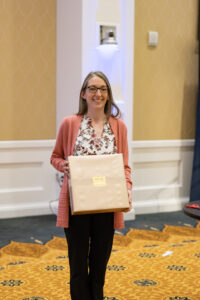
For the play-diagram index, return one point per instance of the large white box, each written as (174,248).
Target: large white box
(97,184)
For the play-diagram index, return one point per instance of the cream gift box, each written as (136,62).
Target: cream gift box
(97,184)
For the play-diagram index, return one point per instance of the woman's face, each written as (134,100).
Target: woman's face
(96,94)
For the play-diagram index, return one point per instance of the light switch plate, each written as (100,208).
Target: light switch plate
(152,38)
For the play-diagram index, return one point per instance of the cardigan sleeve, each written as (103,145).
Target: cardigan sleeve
(57,158)
(124,145)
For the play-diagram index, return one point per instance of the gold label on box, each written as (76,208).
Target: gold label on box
(99,181)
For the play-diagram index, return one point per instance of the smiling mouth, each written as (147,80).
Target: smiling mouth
(98,101)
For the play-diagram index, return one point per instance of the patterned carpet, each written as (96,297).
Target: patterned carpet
(144,265)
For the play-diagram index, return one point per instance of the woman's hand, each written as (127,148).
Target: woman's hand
(66,168)
(130,201)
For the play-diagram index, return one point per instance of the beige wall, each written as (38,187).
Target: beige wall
(166,77)
(165,84)
(27,69)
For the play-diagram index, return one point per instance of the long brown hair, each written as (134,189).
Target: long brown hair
(110,104)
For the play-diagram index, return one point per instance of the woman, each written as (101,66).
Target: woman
(94,130)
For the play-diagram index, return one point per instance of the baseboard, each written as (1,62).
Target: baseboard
(25,210)
(159,206)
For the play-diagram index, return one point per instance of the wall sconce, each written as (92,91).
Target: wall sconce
(107,42)
(108,35)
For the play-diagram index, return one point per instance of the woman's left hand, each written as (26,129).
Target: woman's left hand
(130,201)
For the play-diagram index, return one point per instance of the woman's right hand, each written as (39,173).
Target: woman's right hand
(66,168)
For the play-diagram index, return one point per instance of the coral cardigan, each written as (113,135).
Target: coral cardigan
(64,147)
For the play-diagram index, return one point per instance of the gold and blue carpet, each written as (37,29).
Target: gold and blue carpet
(144,265)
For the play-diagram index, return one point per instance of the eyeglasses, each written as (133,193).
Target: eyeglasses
(94,89)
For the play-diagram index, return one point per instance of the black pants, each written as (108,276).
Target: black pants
(89,239)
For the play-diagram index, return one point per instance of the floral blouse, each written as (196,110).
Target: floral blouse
(88,143)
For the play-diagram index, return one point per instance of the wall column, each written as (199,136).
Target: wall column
(68,58)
